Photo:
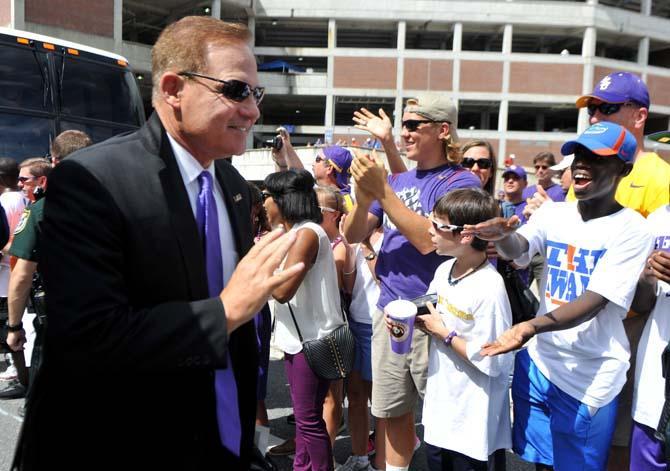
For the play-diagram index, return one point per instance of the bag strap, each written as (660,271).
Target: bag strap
(288,303)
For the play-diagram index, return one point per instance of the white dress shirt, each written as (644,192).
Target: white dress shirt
(190,168)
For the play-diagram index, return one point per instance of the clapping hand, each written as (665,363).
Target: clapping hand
(534,202)
(370,175)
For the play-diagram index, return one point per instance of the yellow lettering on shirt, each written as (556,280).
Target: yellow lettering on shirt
(451,309)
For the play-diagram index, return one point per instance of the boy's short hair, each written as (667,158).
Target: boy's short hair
(68,142)
(467,206)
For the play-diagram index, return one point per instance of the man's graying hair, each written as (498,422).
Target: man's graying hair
(183,45)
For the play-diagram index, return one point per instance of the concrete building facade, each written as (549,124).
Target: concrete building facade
(513,67)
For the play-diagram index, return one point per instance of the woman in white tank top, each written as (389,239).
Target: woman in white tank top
(315,301)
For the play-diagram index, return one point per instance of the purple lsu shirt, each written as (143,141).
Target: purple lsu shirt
(403,272)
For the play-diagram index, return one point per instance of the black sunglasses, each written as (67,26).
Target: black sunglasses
(469,162)
(235,90)
(413,124)
(606,108)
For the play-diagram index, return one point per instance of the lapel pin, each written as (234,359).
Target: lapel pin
(237,198)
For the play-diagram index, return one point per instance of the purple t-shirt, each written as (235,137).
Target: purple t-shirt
(401,269)
(555,192)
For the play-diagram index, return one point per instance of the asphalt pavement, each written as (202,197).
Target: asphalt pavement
(279,407)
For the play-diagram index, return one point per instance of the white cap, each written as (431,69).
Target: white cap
(563,164)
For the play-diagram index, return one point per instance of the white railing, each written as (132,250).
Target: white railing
(256,164)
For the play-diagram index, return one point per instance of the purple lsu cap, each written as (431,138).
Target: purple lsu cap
(618,87)
(340,159)
(605,138)
(516,170)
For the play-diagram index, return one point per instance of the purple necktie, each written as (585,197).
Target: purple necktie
(227,412)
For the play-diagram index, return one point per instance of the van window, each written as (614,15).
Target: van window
(97,90)
(23,79)
(30,135)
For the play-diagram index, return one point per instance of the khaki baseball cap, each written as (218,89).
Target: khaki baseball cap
(436,107)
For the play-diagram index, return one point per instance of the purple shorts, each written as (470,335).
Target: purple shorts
(646,451)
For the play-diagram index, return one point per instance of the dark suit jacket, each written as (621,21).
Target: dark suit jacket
(133,340)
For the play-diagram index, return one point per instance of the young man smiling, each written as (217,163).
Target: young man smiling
(566,383)
(407,259)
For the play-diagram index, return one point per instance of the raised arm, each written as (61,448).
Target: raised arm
(509,244)
(381,128)
(360,223)
(371,177)
(286,157)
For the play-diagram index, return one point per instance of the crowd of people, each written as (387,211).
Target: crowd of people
(166,276)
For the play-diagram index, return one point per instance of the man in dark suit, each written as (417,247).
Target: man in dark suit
(135,337)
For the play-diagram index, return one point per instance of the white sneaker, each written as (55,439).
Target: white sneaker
(9,374)
(352,464)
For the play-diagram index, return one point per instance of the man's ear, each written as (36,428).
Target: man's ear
(627,168)
(444,130)
(641,116)
(171,86)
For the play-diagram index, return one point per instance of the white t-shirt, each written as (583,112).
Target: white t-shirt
(649,394)
(466,407)
(365,294)
(604,255)
(13,202)
(316,304)
(659,224)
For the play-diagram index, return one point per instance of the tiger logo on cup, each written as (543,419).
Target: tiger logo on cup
(399,331)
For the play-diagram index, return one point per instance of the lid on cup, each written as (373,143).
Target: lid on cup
(401,308)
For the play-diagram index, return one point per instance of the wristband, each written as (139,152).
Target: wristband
(450,337)
(14,328)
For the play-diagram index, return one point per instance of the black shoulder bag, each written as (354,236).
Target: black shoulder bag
(330,357)
(523,302)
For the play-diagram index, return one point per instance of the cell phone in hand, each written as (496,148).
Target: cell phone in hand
(421,301)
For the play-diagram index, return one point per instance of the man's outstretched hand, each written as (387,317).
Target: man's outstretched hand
(256,276)
(510,340)
(494,229)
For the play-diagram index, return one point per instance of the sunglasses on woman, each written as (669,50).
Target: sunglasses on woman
(469,162)
(235,90)
(606,108)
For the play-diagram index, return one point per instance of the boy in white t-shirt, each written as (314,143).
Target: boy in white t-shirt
(466,407)
(566,383)
(652,296)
